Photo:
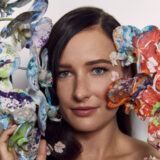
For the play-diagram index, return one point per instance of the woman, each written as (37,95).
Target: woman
(79,48)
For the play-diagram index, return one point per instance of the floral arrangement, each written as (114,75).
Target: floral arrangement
(28,30)
(141,92)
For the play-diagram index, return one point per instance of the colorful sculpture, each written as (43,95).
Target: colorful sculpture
(142,92)
(18,106)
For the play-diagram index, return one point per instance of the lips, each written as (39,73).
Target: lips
(84,111)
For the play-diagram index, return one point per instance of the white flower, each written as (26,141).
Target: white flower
(59,146)
(115,76)
(114,57)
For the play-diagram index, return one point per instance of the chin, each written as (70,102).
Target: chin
(85,125)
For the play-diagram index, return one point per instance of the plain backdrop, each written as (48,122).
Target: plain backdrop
(139,13)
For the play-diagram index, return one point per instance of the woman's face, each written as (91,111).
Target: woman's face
(85,73)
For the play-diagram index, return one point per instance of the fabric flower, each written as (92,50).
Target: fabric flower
(59,147)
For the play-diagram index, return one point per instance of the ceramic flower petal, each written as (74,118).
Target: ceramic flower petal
(45,76)
(6,8)
(32,73)
(156,82)
(52,111)
(40,6)
(20,135)
(25,114)
(13,100)
(41,31)
(123,37)
(131,42)
(18,3)
(147,35)
(153,125)
(135,93)
(43,109)
(146,49)
(4,122)
(29,150)
(44,58)
(15,24)
(9,60)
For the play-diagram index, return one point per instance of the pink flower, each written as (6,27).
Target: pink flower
(59,146)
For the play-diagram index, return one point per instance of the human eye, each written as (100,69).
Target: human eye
(64,74)
(99,70)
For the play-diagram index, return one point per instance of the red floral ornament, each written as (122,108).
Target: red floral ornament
(142,92)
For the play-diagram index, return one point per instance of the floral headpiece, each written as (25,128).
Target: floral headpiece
(28,30)
(142,92)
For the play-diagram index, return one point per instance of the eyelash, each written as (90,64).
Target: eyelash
(103,70)
(64,74)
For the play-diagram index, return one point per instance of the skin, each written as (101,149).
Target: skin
(85,73)
(84,76)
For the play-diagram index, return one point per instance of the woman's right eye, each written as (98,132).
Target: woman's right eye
(64,74)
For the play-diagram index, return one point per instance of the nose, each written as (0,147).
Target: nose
(81,89)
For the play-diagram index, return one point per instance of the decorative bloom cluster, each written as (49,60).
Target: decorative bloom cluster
(31,30)
(142,92)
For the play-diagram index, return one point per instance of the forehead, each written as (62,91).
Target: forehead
(89,44)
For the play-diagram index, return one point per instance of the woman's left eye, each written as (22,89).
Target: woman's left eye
(99,71)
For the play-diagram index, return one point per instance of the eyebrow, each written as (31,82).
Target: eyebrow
(64,66)
(98,61)
(88,63)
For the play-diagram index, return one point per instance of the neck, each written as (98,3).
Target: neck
(99,143)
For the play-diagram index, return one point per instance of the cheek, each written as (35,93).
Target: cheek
(63,97)
(100,86)
(64,92)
